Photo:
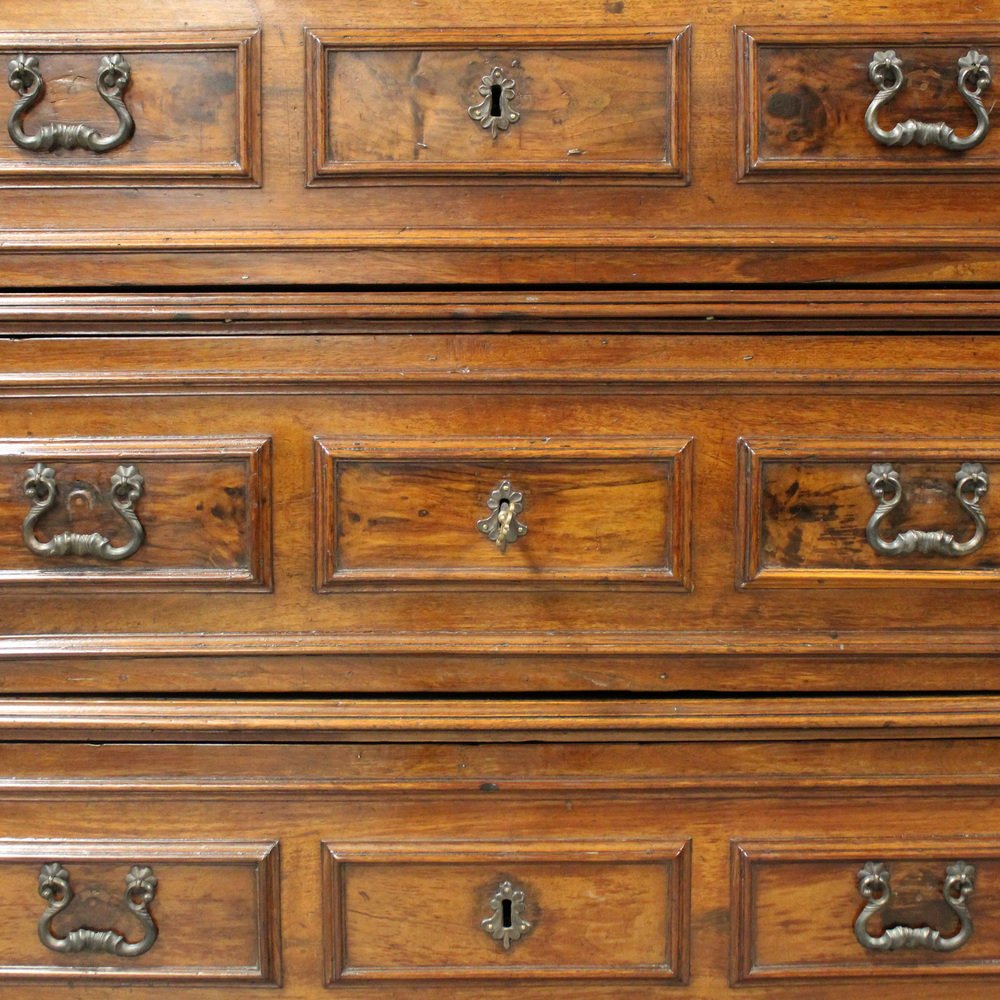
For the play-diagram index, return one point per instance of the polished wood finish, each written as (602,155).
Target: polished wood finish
(497,229)
(215,911)
(806,503)
(775,882)
(597,511)
(205,510)
(194,96)
(805,89)
(590,103)
(597,912)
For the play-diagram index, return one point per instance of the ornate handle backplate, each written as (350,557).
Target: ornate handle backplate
(494,111)
(506,923)
(26,81)
(874,886)
(971,484)
(886,72)
(54,887)
(502,526)
(126,488)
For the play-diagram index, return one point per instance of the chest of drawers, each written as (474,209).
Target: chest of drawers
(499,500)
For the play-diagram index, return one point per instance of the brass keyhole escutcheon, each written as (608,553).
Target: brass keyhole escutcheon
(506,924)
(495,111)
(502,526)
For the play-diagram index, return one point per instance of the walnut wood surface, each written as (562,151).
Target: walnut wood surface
(215,911)
(194,96)
(205,510)
(386,105)
(880,227)
(406,629)
(565,811)
(806,88)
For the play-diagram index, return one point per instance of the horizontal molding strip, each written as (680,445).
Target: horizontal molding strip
(539,645)
(505,720)
(477,240)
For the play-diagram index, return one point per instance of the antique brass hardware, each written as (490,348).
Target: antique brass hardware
(25,79)
(140,888)
(971,484)
(874,886)
(886,72)
(506,923)
(126,488)
(502,526)
(494,111)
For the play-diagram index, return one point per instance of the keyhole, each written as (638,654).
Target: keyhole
(507,914)
(495,91)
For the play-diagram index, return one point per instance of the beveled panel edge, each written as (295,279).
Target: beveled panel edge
(676,855)
(265,720)
(745,853)
(245,43)
(678,450)
(256,452)
(320,173)
(751,168)
(753,453)
(263,854)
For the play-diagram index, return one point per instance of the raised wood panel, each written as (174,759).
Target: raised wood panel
(615,911)
(194,96)
(805,90)
(597,511)
(592,103)
(205,510)
(795,903)
(215,910)
(806,504)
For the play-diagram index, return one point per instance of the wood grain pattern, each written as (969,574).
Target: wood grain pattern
(474,796)
(795,903)
(205,509)
(592,103)
(616,912)
(215,909)
(536,229)
(805,90)
(598,510)
(806,505)
(194,95)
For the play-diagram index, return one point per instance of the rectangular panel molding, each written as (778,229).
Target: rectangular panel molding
(194,97)
(805,505)
(604,105)
(804,91)
(596,512)
(204,509)
(795,903)
(596,911)
(215,911)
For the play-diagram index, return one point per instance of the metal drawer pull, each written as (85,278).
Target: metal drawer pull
(126,488)
(502,526)
(506,924)
(54,888)
(494,111)
(873,884)
(886,72)
(25,79)
(971,484)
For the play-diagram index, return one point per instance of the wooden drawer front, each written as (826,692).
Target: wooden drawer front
(580,103)
(594,912)
(805,91)
(210,914)
(595,512)
(194,98)
(807,506)
(797,906)
(203,506)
